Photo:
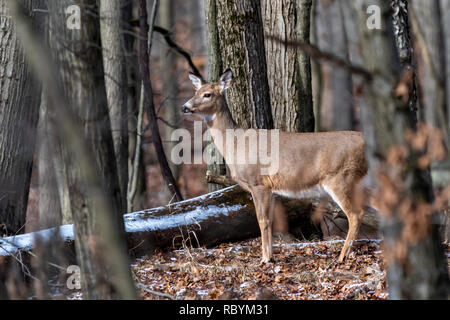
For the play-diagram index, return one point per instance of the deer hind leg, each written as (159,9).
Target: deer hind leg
(264,205)
(354,215)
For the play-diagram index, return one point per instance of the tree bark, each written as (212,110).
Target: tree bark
(337,100)
(19,105)
(50,213)
(427,15)
(279,18)
(288,69)
(241,39)
(306,106)
(114,64)
(316,73)
(417,268)
(445,10)
(170,87)
(215,70)
(136,196)
(403,43)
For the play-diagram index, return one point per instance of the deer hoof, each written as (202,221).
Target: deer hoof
(342,258)
(266,261)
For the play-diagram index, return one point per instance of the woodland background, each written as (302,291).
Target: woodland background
(86,116)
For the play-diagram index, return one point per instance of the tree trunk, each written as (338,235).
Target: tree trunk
(215,70)
(96,212)
(445,10)
(136,196)
(417,268)
(402,39)
(19,105)
(427,15)
(289,70)
(170,87)
(306,107)
(283,71)
(50,213)
(49,163)
(241,40)
(337,100)
(114,64)
(316,73)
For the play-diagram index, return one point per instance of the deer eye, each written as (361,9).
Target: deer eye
(207,95)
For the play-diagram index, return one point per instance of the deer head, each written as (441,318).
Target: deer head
(207,96)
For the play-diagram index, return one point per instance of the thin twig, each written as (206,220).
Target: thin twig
(315,53)
(156,293)
(172,44)
(166,34)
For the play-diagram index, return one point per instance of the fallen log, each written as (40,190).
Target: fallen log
(225,215)
(332,212)
(222,216)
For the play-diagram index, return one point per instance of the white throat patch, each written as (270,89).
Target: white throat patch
(209,117)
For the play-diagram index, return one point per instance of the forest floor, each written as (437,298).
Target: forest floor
(233,271)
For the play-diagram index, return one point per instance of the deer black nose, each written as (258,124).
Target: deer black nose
(185,109)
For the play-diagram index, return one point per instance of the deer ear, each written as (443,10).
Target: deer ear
(196,81)
(225,80)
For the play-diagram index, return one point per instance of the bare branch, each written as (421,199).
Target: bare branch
(318,55)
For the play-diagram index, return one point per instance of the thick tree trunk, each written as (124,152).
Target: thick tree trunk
(289,70)
(279,19)
(114,64)
(337,99)
(417,268)
(81,70)
(241,39)
(214,72)
(19,113)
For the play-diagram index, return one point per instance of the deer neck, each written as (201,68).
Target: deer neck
(222,120)
(219,124)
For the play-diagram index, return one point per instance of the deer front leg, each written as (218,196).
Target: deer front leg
(264,203)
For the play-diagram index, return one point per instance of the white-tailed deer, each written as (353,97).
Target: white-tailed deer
(330,163)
